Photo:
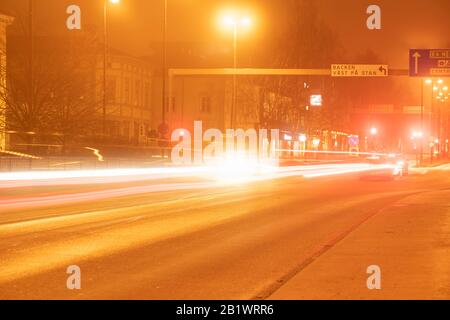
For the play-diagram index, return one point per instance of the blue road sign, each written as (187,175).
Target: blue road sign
(429,62)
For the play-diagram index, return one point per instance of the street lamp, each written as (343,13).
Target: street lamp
(235,22)
(105,54)
(165,100)
(374,131)
(441,89)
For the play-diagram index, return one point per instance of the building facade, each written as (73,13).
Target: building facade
(128,98)
(210,99)
(5,20)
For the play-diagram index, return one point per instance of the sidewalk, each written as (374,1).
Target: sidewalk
(409,241)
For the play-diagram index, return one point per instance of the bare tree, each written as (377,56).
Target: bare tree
(298,40)
(52,95)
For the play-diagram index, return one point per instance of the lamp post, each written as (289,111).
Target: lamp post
(105,55)
(422,115)
(442,99)
(435,86)
(235,22)
(164,73)
(373,134)
(31,57)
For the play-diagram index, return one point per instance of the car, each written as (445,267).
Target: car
(387,167)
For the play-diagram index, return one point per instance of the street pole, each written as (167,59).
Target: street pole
(31,62)
(234,95)
(421,122)
(447,131)
(105,53)
(164,72)
(432,119)
(439,129)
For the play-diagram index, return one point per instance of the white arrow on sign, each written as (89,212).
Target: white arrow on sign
(416,57)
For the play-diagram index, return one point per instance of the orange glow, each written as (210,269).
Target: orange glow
(232,21)
(236,17)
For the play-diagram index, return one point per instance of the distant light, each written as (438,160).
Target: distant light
(287,137)
(436,141)
(428,81)
(233,21)
(114,1)
(246,21)
(445,88)
(417,134)
(373,131)
(316,142)
(316,100)
(400,163)
(302,138)
(440,81)
(435,88)
(229,20)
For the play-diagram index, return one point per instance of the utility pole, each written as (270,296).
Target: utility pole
(31,54)
(421,122)
(105,54)
(164,71)
(234,96)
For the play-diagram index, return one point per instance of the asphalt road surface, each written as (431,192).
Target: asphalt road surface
(240,241)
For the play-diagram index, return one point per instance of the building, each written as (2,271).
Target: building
(5,20)
(128,98)
(209,99)
(74,74)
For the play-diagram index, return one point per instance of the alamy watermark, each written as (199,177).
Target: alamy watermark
(74,279)
(374,280)
(213,146)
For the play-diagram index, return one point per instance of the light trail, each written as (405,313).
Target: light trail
(20,154)
(61,164)
(350,153)
(229,174)
(101,176)
(96,153)
(55,200)
(214,180)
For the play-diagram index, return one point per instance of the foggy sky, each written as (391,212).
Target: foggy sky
(135,24)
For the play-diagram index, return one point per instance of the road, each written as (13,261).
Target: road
(198,240)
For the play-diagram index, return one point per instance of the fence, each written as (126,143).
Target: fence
(11,164)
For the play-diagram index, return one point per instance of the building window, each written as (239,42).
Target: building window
(111,90)
(127,91)
(138,93)
(147,94)
(205,104)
